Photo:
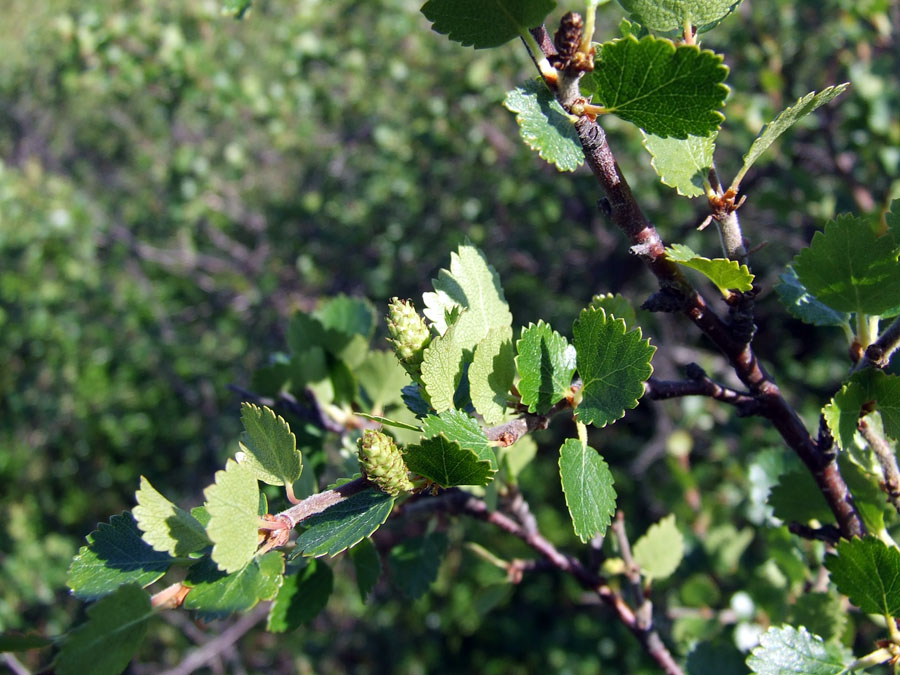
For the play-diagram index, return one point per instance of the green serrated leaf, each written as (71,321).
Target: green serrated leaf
(345,524)
(868,572)
(798,301)
(216,594)
(784,121)
(442,368)
(114,631)
(682,163)
(269,449)
(447,463)
(348,324)
(382,377)
(660,550)
(115,555)
(472,285)
(787,650)
(457,426)
(414,563)
(724,273)
(544,126)
(663,89)
(232,503)
(367,565)
(671,16)
(821,614)
(389,422)
(797,497)
(491,374)
(301,597)
(613,365)
(850,269)
(546,364)
(19,642)
(485,23)
(165,526)
(616,305)
(588,487)
(866,388)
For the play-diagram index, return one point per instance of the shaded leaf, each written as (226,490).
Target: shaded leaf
(367,565)
(724,273)
(485,23)
(216,594)
(269,449)
(821,614)
(588,487)
(868,572)
(115,555)
(613,365)
(682,163)
(544,126)
(546,364)
(457,426)
(491,374)
(784,121)
(415,562)
(382,377)
(447,463)
(114,631)
(345,524)
(666,16)
(232,503)
(660,550)
(798,301)
(616,305)
(715,658)
(850,269)
(797,497)
(663,89)
(413,399)
(787,650)
(165,526)
(301,597)
(19,642)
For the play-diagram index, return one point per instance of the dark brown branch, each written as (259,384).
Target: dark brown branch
(644,614)
(677,294)
(886,459)
(699,384)
(827,533)
(878,354)
(286,402)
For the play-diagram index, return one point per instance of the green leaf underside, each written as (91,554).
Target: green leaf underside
(616,305)
(382,377)
(797,497)
(114,631)
(802,305)
(167,527)
(821,614)
(447,463)
(546,364)
(458,427)
(388,422)
(588,487)
(663,89)
(470,284)
(19,642)
(613,365)
(414,563)
(345,524)
(724,273)
(867,387)
(666,16)
(784,121)
(233,503)
(787,650)
(850,269)
(301,597)
(442,368)
(660,550)
(485,23)
(682,163)
(216,594)
(367,565)
(269,448)
(868,572)
(115,555)
(544,125)
(491,374)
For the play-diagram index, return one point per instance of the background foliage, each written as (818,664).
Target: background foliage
(174,185)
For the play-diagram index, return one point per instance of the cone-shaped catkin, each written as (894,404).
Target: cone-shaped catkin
(409,334)
(383,463)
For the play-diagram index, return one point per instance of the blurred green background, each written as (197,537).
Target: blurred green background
(174,184)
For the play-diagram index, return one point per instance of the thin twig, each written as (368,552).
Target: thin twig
(878,354)
(699,384)
(886,458)
(200,656)
(644,614)
(15,666)
(827,533)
